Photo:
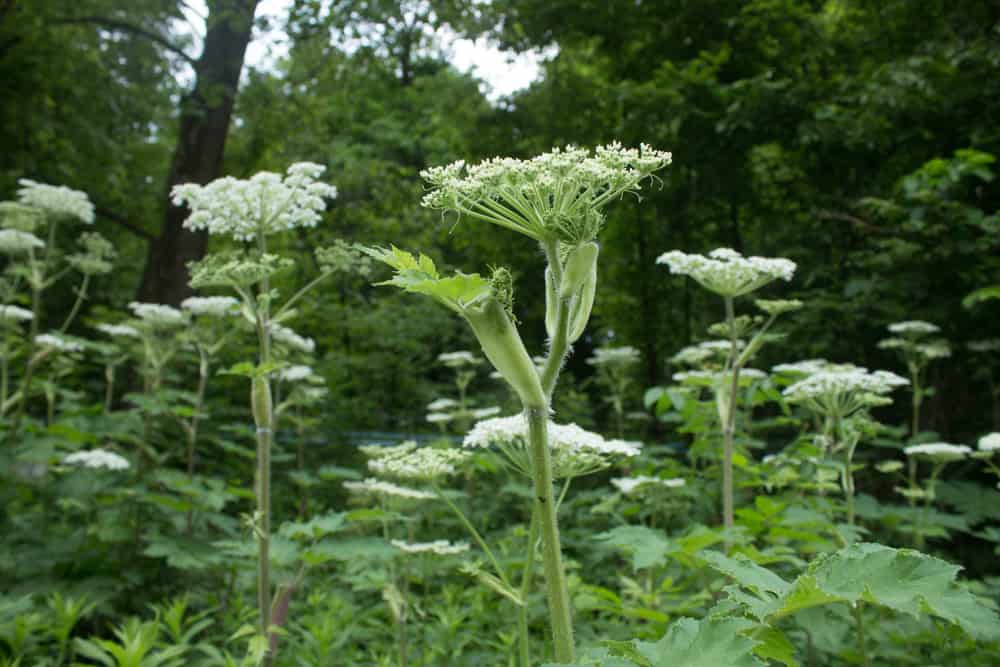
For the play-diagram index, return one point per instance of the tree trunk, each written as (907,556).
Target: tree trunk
(204,123)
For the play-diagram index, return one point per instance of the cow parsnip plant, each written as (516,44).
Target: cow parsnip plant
(557,199)
(253,211)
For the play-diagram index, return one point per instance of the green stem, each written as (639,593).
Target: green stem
(729,425)
(475,535)
(557,591)
(263,413)
(526,577)
(859,623)
(81,295)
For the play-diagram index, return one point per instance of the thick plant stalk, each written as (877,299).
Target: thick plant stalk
(729,424)
(524,640)
(545,505)
(263,412)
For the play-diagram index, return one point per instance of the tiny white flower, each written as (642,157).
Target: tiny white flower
(726,272)
(11,314)
(57,342)
(266,203)
(439,547)
(295,373)
(211,306)
(458,359)
(989,442)
(441,404)
(158,315)
(379,487)
(624,356)
(628,485)
(913,327)
(118,330)
(483,413)
(285,336)
(15,242)
(97,458)
(56,200)
(941,451)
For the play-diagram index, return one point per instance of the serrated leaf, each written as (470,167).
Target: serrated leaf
(707,642)
(906,581)
(747,573)
(774,645)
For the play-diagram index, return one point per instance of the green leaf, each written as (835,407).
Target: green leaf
(906,581)
(747,573)
(980,295)
(648,547)
(422,277)
(705,643)
(774,645)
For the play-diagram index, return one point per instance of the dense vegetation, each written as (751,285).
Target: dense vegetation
(778,511)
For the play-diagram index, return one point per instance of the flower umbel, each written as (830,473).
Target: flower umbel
(556,196)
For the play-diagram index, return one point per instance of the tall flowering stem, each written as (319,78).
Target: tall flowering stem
(728,274)
(251,210)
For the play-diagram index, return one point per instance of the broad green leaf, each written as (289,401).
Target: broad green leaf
(980,295)
(747,573)
(703,643)
(774,645)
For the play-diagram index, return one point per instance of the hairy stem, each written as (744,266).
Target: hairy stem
(524,639)
(557,591)
(729,425)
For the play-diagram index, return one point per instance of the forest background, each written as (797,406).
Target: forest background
(855,137)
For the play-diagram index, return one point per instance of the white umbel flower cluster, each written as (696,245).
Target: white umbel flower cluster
(97,458)
(374,486)
(984,346)
(843,392)
(295,373)
(574,451)
(989,442)
(56,200)
(211,306)
(439,547)
(285,336)
(458,359)
(714,378)
(806,367)
(58,343)
(439,417)
(12,314)
(914,327)
(615,356)
(555,196)
(426,463)
(439,404)
(938,451)
(118,330)
(265,204)
(727,272)
(16,242)
(628,485)
(158,315)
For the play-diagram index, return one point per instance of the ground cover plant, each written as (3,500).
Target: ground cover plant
(433,379)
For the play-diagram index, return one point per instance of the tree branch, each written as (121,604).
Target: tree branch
(124,26)
(121,220)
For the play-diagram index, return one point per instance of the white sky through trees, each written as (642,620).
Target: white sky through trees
(502,72)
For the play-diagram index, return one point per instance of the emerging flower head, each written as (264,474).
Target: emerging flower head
(295,373)
(20,217)
(726,272)
(95,256)
(97,458)
(265,204)
(56,200)
(556,196)
(914,327)
(459,359)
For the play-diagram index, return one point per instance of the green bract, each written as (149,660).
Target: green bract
(235,270)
